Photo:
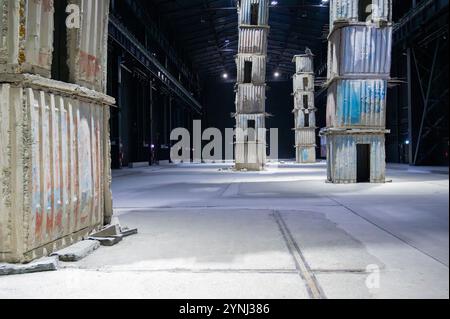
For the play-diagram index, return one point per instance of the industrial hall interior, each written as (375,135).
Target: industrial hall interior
(224,149)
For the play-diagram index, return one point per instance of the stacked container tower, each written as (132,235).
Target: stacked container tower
(359,63)
(54,126)
(250,147)
(304,108)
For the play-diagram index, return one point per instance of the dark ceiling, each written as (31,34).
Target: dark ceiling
(207,30)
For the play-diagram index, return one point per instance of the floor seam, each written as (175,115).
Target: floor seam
(189,271)
(304,270)
(387,231)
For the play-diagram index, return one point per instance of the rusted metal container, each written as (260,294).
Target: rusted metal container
(350,11)
(253,40)
(304,100)
(251,99)
(342,155)
(304,63)
(250,141)
(360,52)
(304,82)
(357,103)
(300,115)
(305,137)
(253,12)
(54,165)
(26,31)
(255,64)
(88,45)
(305,154)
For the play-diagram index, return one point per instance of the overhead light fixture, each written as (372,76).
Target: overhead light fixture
(276,74)
(274,3)
(225,75)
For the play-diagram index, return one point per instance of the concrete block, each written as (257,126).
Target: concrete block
(40,265)
(108,241)
(108,231)
(77,251)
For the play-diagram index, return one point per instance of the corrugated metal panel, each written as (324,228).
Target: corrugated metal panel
(382,10)
(26,31)
(343,157)
(258,67)
(303,82)
(304,63)
(306,154)
(260,120)
(348,11)
(245,12)
(357,103)
(253,40)
(360,50)
(343,10)
(250,153)
(55,167)
(88,45)
(251,99)
(305,137)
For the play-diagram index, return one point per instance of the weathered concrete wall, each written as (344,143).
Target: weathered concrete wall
(55,176)
(54,137)
(342,156)
(88,45)
(26,28)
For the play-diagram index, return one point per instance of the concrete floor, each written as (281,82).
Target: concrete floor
(208,232)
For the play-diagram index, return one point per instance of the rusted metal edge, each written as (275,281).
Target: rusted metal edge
(356,76)
(62,88)
(251,26)
(353,131)
(339,24)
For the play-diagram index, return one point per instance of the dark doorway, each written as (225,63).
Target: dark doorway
(60,70)
(305,101)
(363,163)
(365,10)
(255,14)
(305,83)
(251,128)
(306,120)
(248,66)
